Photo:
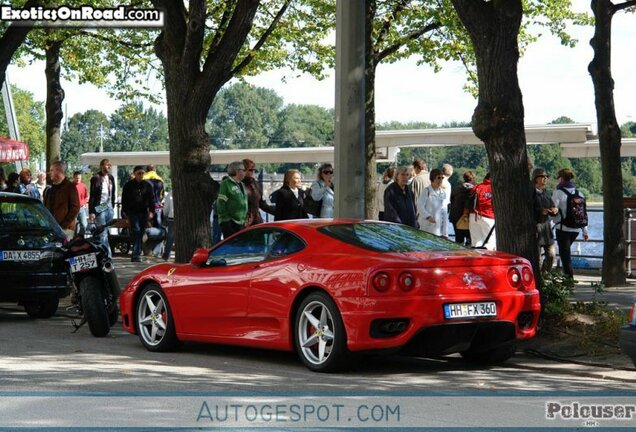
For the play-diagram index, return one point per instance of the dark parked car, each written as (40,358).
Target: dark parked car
(33,272)
(627,335)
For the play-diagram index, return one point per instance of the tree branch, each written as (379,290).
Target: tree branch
(11,40)
(193,44)
(248,58)
(115,41)
(411,36)
(223,23)
(173,34)
(621,6)
(399,7)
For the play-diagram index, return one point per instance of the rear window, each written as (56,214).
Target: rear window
(24,214)
(384,237)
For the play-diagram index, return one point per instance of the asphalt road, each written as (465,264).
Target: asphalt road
(46,356)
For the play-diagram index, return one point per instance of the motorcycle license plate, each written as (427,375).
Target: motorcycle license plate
(83,262)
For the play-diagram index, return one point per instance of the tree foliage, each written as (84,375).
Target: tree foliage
(30,118)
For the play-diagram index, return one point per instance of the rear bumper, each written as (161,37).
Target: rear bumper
(427,331)
(24,286)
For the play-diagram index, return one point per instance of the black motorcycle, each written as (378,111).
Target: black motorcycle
(95,285)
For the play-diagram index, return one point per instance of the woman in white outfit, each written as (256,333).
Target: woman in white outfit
(322,189)
(431,206)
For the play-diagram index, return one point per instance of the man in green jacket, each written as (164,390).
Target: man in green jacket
(231,205)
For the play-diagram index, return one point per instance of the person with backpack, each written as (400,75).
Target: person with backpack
(570,219)
(482,216)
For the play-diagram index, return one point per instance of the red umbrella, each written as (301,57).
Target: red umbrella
(12,150)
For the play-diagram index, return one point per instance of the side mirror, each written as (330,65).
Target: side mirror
(199,257)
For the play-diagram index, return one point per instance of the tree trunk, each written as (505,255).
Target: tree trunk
(11,40)
(613,273)
(370,211)
(498,121)
(190,90)
(54,98)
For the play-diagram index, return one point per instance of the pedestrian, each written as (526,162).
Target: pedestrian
(431,206)
(168,222)
(61,199)
(482,220)
(399,204)
(290,198)
(447,171)
(137,205)
(387,178)
(41,183)
(458,212)
(13,183)
(101,200)
(322,190)
(566,231)
(26,187)
(421,179)
(156,181)
(3,180)
(255,201)
(544,208)
(231,204)
(82,193)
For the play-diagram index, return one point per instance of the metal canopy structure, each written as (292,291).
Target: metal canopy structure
(576,140)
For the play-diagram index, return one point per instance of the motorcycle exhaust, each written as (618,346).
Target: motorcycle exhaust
(108,267)
(111,277)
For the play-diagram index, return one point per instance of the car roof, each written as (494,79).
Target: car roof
(316,222)
(18,197)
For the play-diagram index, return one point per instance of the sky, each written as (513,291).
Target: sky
(554,82)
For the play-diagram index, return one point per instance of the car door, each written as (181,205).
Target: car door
(273,285)
(213,300)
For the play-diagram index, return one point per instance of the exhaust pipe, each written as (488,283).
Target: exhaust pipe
(111,278)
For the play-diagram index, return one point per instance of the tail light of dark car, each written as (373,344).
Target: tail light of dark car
(80,247)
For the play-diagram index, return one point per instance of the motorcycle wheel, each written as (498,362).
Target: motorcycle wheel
(94,307)
(113,315)
(42,308)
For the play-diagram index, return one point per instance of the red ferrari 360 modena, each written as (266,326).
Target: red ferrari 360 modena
(331,288)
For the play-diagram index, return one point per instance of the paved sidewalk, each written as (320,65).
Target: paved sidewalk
(619,297)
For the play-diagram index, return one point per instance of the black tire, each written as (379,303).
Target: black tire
(94,306)
(319,334)
(113,315)
(491,356)
(154,320)
(44,308)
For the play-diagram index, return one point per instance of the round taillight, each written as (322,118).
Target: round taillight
(526,276)
(381,282)
(514,277)
(406,282)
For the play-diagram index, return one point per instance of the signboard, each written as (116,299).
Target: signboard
(12,150)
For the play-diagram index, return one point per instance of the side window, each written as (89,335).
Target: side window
(287,244)
(249,247)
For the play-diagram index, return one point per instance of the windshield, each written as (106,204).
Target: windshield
(25,215)
(384,237)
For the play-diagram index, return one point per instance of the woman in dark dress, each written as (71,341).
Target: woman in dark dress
(399,202)
(289,200)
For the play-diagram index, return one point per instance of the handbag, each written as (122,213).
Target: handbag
(462,223)
(310,205)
